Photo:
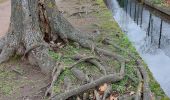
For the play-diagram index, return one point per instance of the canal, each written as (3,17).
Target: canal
(149,31)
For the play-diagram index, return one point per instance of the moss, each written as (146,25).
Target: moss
(109,28)
(123,41)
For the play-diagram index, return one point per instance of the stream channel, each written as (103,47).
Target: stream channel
(149,31)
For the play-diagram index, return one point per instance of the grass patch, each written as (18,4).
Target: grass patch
(123,41)
(108,28)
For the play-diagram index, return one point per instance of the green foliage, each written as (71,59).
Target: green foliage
(124,42)
(109,28)
(157,1)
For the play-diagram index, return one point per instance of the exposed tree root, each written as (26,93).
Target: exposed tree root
(82,60)
(143,86)
(67,84)
(97,96)
(2,43)
(111,54)
(55,74)
(107,92)
(105,79)
(146,89)
(80,75)
(6,53)
(107,41)
(34,31)
(139,91)
(92,61)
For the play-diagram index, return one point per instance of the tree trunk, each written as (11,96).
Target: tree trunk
(33,25)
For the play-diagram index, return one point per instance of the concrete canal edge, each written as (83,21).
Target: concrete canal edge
(165,10)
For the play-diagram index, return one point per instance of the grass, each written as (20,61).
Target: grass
(163,3)
(124,42)
(109,28)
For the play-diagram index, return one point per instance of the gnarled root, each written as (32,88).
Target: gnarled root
(2,43)
(105,79)
(143,90)
(6,54)
(55,74)
(92,61)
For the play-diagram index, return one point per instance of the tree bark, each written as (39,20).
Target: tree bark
(34,23)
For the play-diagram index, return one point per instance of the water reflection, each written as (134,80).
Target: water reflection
(156,28)
(149,31)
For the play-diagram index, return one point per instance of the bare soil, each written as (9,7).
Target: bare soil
(20,80)
(5,11)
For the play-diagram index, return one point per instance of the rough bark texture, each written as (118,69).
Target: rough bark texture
(34,24)
(29,34)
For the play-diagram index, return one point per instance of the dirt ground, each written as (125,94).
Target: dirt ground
(5,11)
(19,80)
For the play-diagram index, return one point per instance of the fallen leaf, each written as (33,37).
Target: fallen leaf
(103,87)
(132,93)
(112,97)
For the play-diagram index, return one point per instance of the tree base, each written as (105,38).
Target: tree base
(31,35)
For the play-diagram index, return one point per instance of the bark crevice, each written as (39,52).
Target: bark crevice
(34,24)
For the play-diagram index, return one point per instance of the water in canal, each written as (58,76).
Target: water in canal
(149,31)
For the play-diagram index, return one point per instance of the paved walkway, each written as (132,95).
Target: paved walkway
(5,11)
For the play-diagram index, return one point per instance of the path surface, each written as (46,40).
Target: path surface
(5,11)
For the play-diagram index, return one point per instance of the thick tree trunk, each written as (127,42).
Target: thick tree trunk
(34,24)
(29,34)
